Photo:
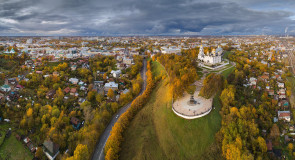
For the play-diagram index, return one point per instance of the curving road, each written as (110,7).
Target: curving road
(98,154)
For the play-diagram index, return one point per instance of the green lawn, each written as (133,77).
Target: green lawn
(14,149)
(2,136)
(157,133)
(226,72)
(157,69)
(200,74)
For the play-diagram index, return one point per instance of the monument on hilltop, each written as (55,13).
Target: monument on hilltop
(191,90)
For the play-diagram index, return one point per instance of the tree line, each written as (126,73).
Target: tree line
(112,147)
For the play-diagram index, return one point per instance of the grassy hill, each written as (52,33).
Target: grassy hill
(157,133)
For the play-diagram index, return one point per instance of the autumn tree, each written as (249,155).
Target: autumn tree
(81,153)
(99,98)
(274,132)
(111,94)
(39,153)
(110,155)
(211,85)
(290,148)
(87,110)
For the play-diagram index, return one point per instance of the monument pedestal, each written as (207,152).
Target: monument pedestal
(192,101)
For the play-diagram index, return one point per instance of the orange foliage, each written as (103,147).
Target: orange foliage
(112,147)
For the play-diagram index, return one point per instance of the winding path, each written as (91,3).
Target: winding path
(98,153)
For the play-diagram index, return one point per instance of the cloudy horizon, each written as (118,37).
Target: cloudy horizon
(146,17)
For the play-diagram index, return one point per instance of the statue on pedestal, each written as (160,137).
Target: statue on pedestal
(191,90)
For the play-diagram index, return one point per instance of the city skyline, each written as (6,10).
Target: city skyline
(146,17)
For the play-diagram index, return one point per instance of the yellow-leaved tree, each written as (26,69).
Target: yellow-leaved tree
(29,112)
(81,153)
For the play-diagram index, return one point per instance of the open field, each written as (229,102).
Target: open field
(11,148)
(157,133)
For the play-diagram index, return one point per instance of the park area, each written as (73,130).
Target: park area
(157,133)
(11,148)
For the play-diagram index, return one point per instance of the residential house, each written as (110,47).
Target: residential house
(127,61)
(264,77)
(67,90)
(111,85)
(282,96)
(81,100)
(73,91)
(13,96)
(76,123)
(282,91)
(83,88)
(281,85)
(19,87)
(39,72)
(12,81)
(81,83)
(50,149)
(73,67)
(50,94)
(283,103)
(27,140)
(98,84)
(116,73)
(284,115)
(31,147)
(253,81)
(74,80)
(121,66)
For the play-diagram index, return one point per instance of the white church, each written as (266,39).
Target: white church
(212,58)
(9,52)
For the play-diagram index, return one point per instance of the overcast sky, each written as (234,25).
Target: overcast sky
(146,17)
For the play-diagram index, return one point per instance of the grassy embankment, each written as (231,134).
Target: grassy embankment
(157,133)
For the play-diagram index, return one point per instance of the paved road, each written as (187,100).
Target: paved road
(99,151)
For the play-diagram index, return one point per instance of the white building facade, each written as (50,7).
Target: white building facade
(213,58)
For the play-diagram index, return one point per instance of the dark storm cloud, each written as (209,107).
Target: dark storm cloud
(112,17)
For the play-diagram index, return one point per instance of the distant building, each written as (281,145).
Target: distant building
(127,61)
(29,41)
(6,88)
(9,52)
(212,58)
